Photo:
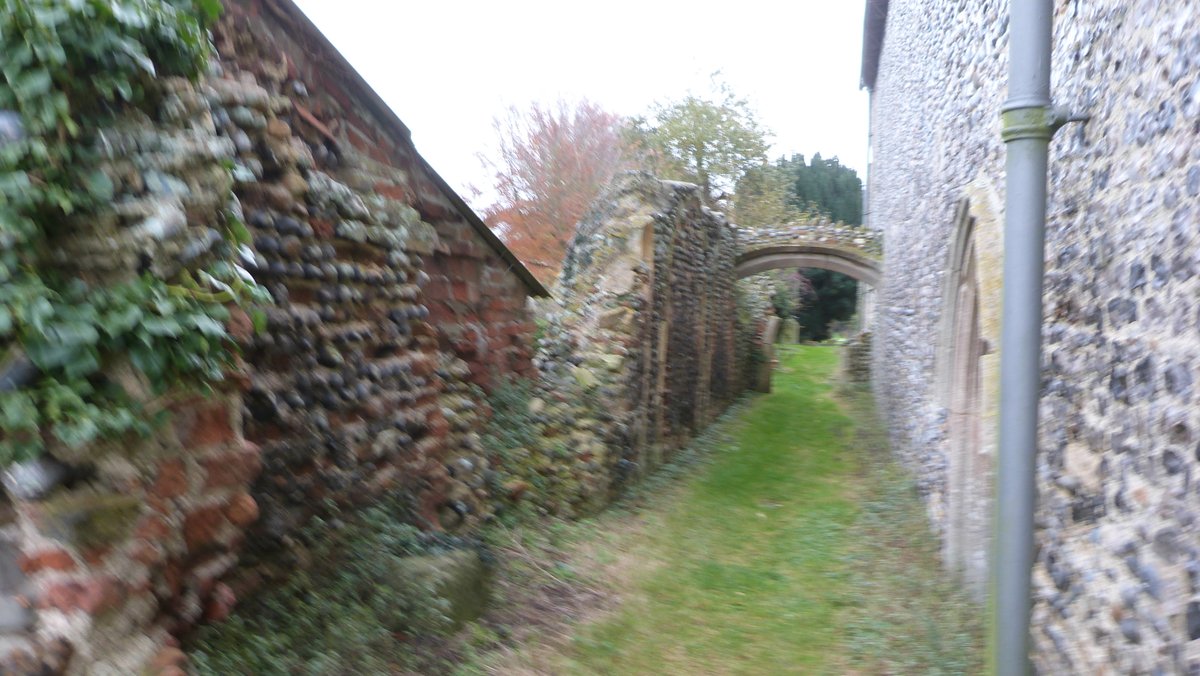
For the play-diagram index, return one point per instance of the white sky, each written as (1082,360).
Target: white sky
(448,67)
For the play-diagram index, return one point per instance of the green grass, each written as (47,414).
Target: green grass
(748,576)
(907,615)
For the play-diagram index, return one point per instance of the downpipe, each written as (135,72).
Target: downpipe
(1029,121)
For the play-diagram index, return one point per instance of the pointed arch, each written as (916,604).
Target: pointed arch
(968,381)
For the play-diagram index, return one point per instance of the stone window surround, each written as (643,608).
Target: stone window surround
(968,382)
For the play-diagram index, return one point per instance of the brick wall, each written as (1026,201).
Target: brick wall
(392,297)
(391,302)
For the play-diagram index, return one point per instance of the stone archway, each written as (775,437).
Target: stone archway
(816,243)
(782,256)
(968,366)
(856,264)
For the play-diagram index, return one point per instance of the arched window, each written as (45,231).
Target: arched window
(968,383)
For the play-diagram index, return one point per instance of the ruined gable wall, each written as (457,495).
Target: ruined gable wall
(400,305)
(1116,517)
(641,348)
(354,388)
(475,296)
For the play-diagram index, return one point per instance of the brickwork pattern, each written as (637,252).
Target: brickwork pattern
(390,312)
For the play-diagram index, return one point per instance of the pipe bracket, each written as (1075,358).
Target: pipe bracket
(1035,122)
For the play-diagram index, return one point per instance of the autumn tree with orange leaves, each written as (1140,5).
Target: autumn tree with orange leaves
(552,162)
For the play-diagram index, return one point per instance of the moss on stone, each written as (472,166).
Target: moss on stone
(89,520)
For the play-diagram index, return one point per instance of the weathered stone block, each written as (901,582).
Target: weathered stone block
(458,579)
(88,520)
(202,528)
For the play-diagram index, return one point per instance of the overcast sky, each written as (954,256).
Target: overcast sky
(448,67)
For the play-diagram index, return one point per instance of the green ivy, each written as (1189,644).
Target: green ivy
(67,68)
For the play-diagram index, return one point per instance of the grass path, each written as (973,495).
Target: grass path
(747,579)
(797,547)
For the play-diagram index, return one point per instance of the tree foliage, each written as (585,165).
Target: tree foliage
(774,194)
(825,186)
(553,162)
(712,141)
(764,197)
(831,297)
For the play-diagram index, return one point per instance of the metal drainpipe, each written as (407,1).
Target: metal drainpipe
(1029,121)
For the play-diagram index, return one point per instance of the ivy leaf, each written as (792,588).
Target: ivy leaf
(259,318)
(73,334)
(238,232)
(77,433)
(99,186)
(19,451)
(6,321)
(163,305)
(17,411)
(121,320)
(207,325)
(162,326)
(60,399)
(124,89)
(33,84)
(149,361)
(138,54)
(217,312)
(84,363)
(211,9)
(47,356)
(14,183)
(21,54)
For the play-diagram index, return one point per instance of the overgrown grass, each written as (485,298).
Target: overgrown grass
(352,612)
(907,614)
(785,541)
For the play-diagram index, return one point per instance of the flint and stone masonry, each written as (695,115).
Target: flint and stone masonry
(393,306)
(395,311)
(1118,552)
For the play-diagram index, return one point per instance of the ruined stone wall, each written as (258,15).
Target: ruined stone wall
(122,541)
(352,392)
(641,347)
(652,265)
(392,305)
(1115,583)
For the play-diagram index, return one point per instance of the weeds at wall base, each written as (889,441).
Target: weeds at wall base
(905,614)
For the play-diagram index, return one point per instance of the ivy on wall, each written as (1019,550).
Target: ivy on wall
(68,68)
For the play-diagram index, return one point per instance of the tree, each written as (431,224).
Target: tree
(764,197)
(709,141)
(552,163)
(825,186)
(831,297)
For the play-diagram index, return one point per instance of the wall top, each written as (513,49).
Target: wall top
(304,31)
